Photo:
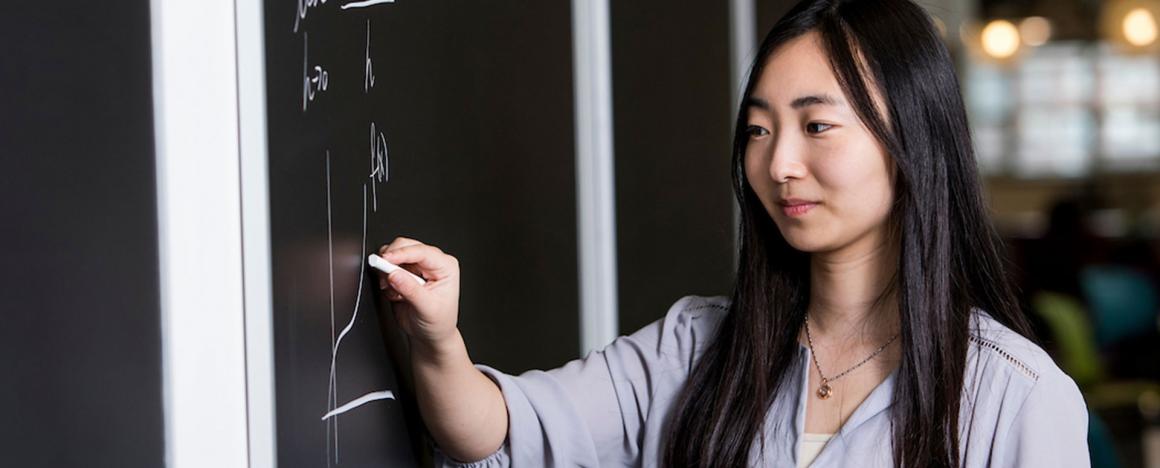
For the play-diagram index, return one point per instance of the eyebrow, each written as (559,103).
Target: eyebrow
(799,103)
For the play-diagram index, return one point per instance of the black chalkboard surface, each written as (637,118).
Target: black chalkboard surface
(448,122)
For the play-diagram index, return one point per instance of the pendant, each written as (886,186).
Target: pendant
(824,391)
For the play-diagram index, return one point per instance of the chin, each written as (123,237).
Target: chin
(803,240)
(807,247)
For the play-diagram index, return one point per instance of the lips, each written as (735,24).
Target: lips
(794,207)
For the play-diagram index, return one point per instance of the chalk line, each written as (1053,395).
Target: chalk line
(362,400)
(365,3)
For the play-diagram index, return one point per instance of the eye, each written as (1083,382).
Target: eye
(814,128)
(756,131)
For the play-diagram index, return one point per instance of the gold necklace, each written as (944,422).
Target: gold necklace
(825,391)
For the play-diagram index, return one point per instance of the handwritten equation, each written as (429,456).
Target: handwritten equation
(316,81)
(368,65)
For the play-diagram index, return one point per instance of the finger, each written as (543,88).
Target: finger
(387,290)
(398,242)
(430,260)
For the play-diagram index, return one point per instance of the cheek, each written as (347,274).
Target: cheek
(751,161)
(758,177)
(859,183)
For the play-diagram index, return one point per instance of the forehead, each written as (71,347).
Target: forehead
(799,67)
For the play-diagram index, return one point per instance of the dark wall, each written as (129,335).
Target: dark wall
(768,12)
(673,120)
(80,347)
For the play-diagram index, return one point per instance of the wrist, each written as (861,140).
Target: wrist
(439,352)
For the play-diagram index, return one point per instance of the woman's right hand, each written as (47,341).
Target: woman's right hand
(463,409)
(428,312)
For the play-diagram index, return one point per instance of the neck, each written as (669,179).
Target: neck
(849,300)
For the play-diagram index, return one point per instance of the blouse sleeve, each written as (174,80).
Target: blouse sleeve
(591,411)
(1050,428)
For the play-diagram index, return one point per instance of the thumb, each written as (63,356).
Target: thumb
(406,285)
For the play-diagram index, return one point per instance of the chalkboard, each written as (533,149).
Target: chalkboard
(448,122)
(80,342)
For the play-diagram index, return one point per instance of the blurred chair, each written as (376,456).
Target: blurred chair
(1122,302)
(1101,445)
(1072,333)
(1068,323)
(1077,353)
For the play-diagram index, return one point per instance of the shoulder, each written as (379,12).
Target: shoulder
(1029,406)
(1018,375)
(694,318)
(686,329)
(702,312)
(998,344)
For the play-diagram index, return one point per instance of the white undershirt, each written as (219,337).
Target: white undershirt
(809,446)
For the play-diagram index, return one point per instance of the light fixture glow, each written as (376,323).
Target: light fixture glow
(1000,39)
(1139,27)
(1035,31)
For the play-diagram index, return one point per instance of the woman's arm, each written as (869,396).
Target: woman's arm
(463,409)
(593,411)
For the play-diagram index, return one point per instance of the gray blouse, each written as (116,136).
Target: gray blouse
(607,408)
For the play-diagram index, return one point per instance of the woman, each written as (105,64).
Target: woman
(871,323)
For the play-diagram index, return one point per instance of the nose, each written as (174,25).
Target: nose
(785,162)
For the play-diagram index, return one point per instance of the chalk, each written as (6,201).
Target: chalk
(378,263)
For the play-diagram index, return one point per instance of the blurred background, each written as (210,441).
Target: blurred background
(1064,102)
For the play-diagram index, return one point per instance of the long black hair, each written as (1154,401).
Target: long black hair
(951,258)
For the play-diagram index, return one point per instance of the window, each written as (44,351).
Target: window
(1065,109)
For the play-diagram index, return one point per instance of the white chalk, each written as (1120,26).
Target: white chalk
(378,263)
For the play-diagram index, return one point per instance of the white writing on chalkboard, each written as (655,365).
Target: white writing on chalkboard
(331,397)
(314,80)
(362,400)
(365,3)
(333,409)
(338,342)
(369,69)
(303,7)
(378,163)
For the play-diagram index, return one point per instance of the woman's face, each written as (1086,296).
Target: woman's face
(819,172)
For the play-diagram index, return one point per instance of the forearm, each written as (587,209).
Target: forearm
(464,410)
